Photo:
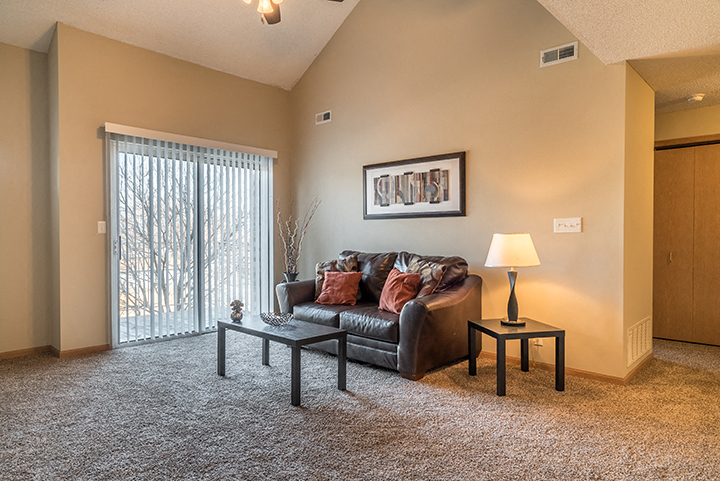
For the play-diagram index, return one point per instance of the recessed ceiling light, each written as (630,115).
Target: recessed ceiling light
(696,98)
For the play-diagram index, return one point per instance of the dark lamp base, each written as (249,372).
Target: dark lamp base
(506,322)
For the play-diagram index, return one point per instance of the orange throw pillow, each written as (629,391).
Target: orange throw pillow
(340,288)
(398,290)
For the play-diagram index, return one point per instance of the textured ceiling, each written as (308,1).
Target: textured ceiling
(674,79)
(673,44)
(224,35)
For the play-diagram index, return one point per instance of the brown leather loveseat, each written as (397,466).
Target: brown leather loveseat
(429,332)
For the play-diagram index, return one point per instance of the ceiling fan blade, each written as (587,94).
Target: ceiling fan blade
(274,16)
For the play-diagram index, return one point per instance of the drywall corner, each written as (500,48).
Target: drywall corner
(24,205)
(54,168)
(638,203)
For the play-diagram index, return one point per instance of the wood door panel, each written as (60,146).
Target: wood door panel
(673,260)
(706,308)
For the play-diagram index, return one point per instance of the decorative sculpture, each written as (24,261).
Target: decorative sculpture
(236,313)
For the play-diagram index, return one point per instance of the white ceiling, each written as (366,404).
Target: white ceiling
(673,44)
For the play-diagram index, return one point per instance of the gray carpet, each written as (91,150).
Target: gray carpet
(160,412)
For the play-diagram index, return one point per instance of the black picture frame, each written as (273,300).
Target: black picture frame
(431,186)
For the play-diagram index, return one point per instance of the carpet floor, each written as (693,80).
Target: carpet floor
(159,411)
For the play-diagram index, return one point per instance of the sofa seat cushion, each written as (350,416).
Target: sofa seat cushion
(327,315)
(372,343)
(369,321)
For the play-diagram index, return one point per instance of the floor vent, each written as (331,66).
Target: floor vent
(639,341)
(563,53)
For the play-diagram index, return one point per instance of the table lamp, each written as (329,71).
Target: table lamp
(512,250)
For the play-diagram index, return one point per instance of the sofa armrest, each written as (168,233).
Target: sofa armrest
(433,329)
(289,294)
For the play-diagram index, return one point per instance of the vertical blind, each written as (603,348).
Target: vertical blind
(190,228)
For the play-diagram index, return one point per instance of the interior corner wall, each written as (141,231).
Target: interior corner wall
(638,217)
(53,90)
(24,202)
(688,123)
(412,78)
(101,80)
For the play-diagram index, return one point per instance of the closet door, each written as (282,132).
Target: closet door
(706,319)
(673,244)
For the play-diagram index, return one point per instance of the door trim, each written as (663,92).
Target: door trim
(687,142)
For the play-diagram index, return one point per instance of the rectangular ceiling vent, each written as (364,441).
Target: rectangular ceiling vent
(323,117)
(563,53)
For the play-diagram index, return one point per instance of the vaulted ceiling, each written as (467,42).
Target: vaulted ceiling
(225,35)
(673,44)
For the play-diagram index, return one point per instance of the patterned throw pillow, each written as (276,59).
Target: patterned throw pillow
(430,274)
(349,264)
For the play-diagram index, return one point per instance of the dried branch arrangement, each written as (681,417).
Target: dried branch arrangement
(292,232)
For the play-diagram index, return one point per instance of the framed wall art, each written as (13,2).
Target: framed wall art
(423,187)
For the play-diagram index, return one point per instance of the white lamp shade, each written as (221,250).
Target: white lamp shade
(512,250)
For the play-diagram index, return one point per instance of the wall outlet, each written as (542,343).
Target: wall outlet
(568,224)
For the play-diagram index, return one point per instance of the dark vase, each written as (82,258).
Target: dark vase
(290,276)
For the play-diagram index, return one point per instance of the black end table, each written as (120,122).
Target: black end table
(501,333)
(295,334)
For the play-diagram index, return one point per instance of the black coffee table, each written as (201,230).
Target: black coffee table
(295,334)
(531,329)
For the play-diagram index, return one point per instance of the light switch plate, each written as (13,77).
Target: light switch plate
(568,224)
(101,227)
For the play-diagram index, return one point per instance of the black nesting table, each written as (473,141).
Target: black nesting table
(295,335)
(531,329)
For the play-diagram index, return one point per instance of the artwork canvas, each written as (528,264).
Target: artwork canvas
(421,187)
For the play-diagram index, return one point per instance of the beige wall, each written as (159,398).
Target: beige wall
(24,200)
(638,221)
(412,78)
(100,80)
(688,123)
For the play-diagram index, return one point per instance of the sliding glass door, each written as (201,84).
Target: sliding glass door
(190,229)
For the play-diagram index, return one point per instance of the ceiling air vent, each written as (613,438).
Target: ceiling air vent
(560,54)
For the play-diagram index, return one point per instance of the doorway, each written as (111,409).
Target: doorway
(686,264)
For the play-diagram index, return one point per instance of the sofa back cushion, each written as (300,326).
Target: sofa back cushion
(403,260)
(456,268)
(431,273)
(375,269)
